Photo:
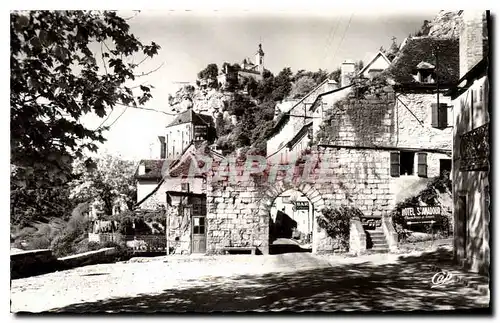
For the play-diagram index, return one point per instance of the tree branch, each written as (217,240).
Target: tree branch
(150,72)
(142,108)
(135,15)
(103,62)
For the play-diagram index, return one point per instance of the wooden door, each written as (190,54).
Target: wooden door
(198,226)
(199,241)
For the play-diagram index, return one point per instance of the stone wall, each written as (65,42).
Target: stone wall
(358,122)
(35,262)
(88,258)
(233,218)
(238,211)
(32,262)
(357,238)
(413,117)
(357,177)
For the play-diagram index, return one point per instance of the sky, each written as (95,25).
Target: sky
(191,40)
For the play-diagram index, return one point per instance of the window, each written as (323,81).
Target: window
(407,159)
(402,163)
(198,225)
(422,164)
(425,76)
(439,115)
(185,187)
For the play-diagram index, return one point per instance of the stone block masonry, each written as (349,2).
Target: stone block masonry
(238,214)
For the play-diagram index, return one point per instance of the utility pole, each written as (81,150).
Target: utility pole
(436,50)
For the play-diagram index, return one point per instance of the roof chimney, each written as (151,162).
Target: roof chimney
(163,147)
(142,169)
(346,72)
(473,39)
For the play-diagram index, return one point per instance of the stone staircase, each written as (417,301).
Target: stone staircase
(376,241)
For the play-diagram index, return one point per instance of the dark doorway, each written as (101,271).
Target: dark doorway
(284,225)
(462,224)
(444,166)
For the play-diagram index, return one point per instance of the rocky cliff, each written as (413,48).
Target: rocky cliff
(445,24)
(205,101)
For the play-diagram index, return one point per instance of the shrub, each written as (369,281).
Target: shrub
(66,242)
(39,242)
(122,252)
(429,196)
(93,245)
(336,222)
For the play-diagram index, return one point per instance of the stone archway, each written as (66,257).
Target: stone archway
(312,194)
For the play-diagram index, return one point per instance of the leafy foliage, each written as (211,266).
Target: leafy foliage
(210,73)
(108,179)
(335,75)
(336,222)
(358,66)
(392,51)
(68,239)
(302,86)
(58,75)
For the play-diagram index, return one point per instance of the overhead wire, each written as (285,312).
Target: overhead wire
(329,39)
(343,36)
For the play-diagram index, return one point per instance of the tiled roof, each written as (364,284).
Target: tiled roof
(421,49)
(153,169)
(189,116)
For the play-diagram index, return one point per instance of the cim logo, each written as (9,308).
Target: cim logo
(445,278)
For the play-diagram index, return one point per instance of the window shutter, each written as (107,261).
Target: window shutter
(395,164)
(439,115)
(422,164)
(443,116)
(435,120)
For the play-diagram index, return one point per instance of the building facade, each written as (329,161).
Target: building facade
(471,140)
(247,69)
(424,69)
(186,128)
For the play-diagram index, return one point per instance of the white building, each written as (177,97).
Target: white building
(471,169)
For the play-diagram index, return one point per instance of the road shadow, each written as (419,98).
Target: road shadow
(401,286)
(276,249)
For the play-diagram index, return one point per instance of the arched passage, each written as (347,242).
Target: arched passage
(274,191)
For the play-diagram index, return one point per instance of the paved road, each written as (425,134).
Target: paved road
(291,282)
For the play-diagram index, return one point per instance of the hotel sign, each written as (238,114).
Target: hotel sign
(421,214)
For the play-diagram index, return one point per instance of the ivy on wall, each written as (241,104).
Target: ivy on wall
(370,102)
(337,221)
